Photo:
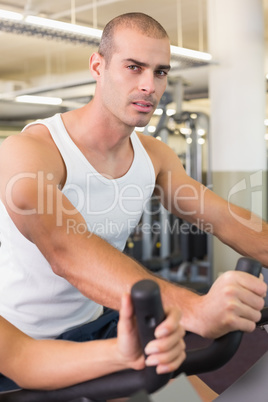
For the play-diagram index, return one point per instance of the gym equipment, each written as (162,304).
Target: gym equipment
(195,244)
(174,249)
(243,391)
(149,312)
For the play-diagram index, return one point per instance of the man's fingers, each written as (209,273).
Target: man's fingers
(168,360)
(172,366)
(166,343)
(252,300)
(253,284)
(169,325)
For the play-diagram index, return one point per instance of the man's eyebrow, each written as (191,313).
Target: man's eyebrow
(142,64)
(164,67)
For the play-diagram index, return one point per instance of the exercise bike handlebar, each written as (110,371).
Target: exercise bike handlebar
(222,349)
(149,312)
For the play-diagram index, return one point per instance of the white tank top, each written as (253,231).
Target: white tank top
(32,297)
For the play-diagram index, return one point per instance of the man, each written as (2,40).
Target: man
(73,186)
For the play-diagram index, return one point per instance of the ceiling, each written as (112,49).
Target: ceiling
(58,68)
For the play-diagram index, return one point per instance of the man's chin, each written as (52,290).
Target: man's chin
(143,122)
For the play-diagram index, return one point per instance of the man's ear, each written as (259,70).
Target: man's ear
(96,63)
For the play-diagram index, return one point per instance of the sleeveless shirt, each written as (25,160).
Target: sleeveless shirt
(32,297)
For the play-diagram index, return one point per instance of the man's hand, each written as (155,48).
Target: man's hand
(233,303)
(167,351)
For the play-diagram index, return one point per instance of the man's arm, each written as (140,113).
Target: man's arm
(98,270)
(235,295)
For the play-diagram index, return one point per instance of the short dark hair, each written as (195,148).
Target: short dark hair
(143,23)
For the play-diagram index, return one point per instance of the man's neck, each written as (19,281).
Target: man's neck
(88,127)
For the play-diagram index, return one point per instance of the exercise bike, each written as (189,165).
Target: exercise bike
(142,385)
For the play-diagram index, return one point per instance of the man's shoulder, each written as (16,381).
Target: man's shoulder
(37,131)
(148,140)
(154,145)
(33,147)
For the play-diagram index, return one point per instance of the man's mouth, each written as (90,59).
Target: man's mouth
(143,106)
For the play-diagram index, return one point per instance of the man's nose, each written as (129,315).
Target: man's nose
(147,82)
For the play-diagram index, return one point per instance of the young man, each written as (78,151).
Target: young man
(73,187)
(53,364)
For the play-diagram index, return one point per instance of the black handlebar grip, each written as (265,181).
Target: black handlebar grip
(249,265)
(146,299)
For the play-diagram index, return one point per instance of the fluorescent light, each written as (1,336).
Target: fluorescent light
(42,100)
(63,26)
(90,32)
(195,54)
(10,15)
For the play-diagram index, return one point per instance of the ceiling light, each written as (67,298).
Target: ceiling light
(42,100)
(195,54)
(10,15)
(64,26)
(47,28)
(44,27)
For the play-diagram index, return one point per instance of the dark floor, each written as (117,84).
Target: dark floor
(252,347)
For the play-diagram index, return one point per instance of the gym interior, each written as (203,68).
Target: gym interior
(213,114)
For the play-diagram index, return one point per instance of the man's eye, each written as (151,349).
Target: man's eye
(162,73)
(133,68)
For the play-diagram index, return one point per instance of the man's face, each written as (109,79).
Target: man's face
(136,77)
